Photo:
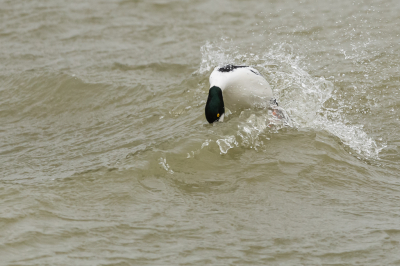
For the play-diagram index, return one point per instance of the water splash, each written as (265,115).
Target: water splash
(309,101)
(227,143)
(163,163)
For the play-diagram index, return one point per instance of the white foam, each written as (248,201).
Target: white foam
(227,143)
(163,162)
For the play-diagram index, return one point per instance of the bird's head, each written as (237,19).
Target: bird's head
(215,109)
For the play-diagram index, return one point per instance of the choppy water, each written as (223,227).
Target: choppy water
(106,157)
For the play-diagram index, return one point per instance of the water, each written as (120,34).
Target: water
(106,157)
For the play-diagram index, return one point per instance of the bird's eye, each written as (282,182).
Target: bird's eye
(217,115)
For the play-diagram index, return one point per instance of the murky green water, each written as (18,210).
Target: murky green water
(106,157)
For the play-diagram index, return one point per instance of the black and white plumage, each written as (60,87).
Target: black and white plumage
(237,88)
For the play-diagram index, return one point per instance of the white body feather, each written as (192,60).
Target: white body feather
(242,88)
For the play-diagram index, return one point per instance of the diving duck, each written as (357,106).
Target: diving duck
(237,88)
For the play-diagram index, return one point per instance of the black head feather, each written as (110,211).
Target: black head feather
(215,105)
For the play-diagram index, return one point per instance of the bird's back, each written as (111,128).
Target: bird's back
(242,86)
